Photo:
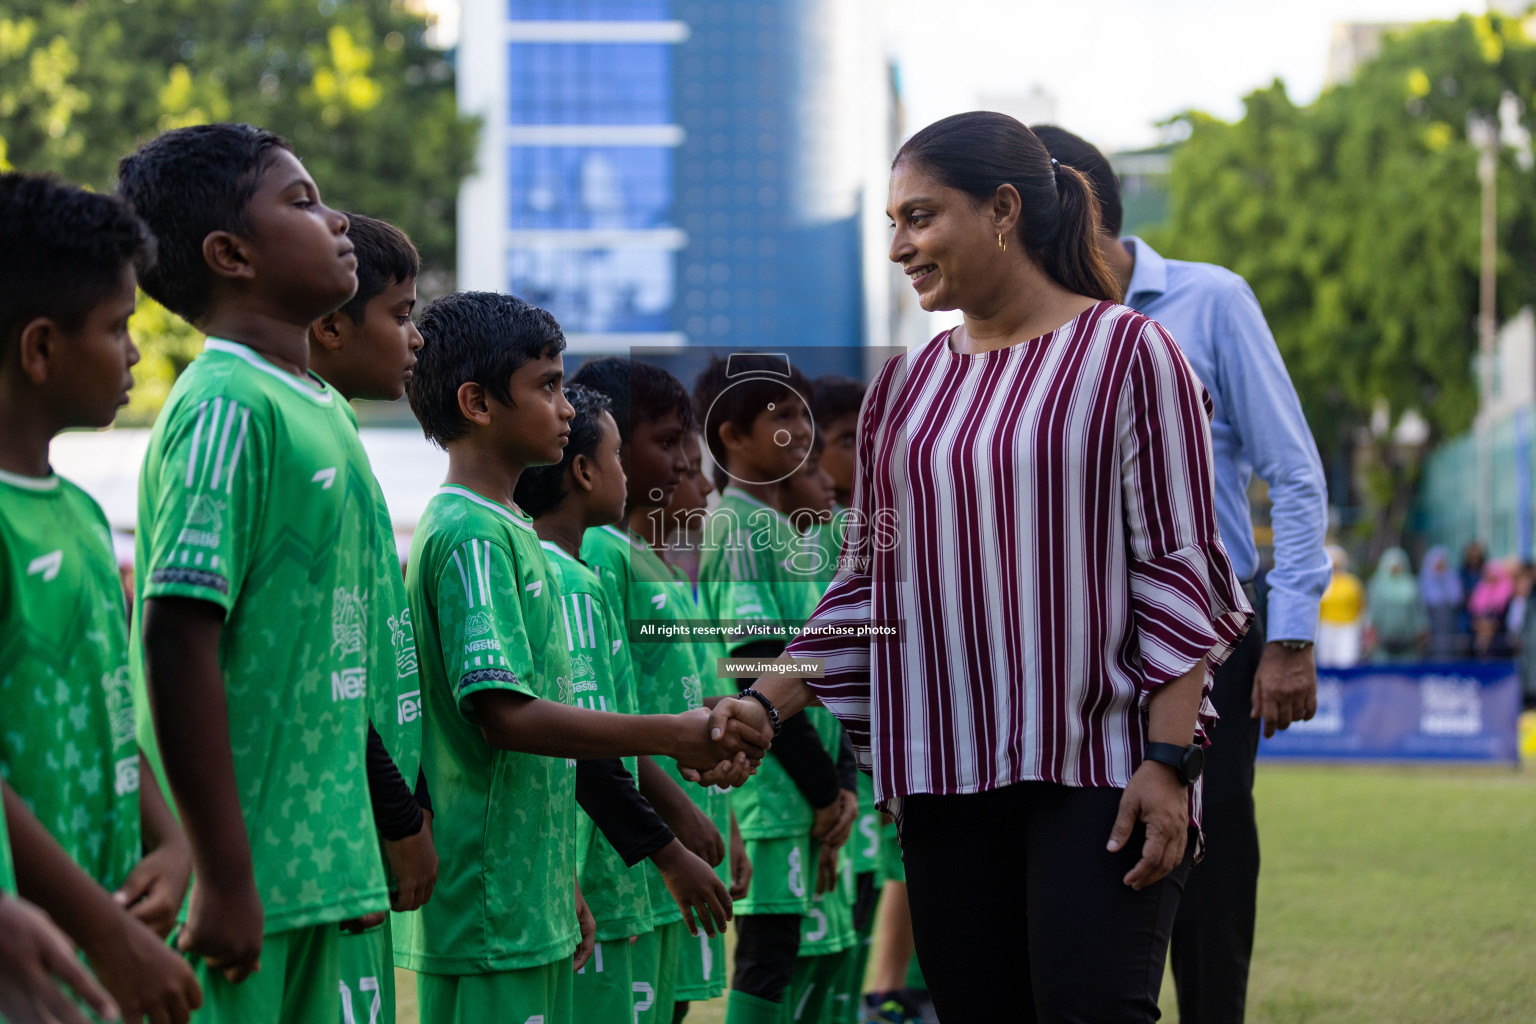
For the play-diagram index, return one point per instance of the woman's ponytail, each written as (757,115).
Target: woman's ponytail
(1074,258)
(982,151)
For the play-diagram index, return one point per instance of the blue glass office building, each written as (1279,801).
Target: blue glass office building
(651,173)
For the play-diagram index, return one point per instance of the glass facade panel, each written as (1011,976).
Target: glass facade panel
(590,187)
(589,83)
(599,290)
(589,10)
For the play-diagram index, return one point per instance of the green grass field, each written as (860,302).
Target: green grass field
(1388,895)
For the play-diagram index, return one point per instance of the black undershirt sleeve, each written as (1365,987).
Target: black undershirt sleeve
(606,792)
(797,746)
(396,813)
(847,766)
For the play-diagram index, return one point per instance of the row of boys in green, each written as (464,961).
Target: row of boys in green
(261,602)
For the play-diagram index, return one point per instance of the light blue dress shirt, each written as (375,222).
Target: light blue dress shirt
(1258,427)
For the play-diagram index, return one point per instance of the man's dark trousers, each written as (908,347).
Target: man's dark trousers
(1213,932)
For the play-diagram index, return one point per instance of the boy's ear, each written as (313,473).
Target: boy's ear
(327,331)
(474,404)
(226,255)
(731,436)
(581,473)
(34,347)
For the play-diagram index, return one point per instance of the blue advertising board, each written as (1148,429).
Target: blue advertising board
(1462,711)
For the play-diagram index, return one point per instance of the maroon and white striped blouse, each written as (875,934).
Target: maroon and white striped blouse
(1039,523)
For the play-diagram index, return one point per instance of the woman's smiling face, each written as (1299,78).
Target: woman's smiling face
(940,236)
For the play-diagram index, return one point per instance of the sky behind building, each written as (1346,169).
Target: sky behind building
(1117,67)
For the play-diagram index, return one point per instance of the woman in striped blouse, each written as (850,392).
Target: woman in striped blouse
(1031,596)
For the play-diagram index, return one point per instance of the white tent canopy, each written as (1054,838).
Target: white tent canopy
(106,464)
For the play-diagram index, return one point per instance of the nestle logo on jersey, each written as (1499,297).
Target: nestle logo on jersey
(348,684)
(198,539)
(409,706)
(490,643)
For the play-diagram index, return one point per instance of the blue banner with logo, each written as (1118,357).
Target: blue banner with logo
(1463,711)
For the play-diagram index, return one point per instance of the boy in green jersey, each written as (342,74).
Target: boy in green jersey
(94,842)
(495,941)
(366,350)
(760,575)
(586,490)
(256,573)
(656,600)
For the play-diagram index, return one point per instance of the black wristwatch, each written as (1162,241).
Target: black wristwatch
(1187,762)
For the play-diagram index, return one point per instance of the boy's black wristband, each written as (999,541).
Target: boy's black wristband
(773,712)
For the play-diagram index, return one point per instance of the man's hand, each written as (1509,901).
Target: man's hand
(695,887)
(727,774)
(224,927)
(35,960)
(1156,797)
(358,925)
(1284,688)
(413,861)
(144,975)
(833,823)
(700,836)
(588,925)
(157,884)
(741,864)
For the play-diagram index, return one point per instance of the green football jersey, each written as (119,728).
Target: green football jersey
(747,576)
(256,496)
(395,685)
(603,680)
(486,608)
(66,698)
(7,869)
(652,597)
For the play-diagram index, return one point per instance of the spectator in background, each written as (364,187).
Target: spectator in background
(1341,616)
(1395,610)
(1488,605)
(1521,621)
(1472,563)
(1444,601)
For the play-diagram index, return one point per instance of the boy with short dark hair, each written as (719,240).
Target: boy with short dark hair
(256,571)
(94,843)
(654,416)
(760,574)
(835,404)
(586,490)
(495,941)
(366,350)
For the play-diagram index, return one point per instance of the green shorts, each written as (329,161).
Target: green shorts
(701,966)
(653,964)
(368,976)
(783,876)
(296,983)
(818,989)
(827,926)
(605,990)
(533,995)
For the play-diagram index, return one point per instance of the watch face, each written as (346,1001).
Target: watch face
(1194,763)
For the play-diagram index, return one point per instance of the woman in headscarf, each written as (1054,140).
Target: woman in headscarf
(1443,596)
(1395,611)
(1487,605)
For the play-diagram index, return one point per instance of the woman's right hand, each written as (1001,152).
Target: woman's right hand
(1157,797)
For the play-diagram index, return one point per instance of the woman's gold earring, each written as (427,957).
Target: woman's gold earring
(1002,243)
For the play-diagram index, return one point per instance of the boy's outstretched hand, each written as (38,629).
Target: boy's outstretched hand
(717,749)
(224,927)
(695,887)
(35,960)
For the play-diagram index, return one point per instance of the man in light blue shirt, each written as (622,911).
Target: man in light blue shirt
(1257,429)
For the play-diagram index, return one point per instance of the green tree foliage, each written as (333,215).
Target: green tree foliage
(366,102)
(1356,221)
